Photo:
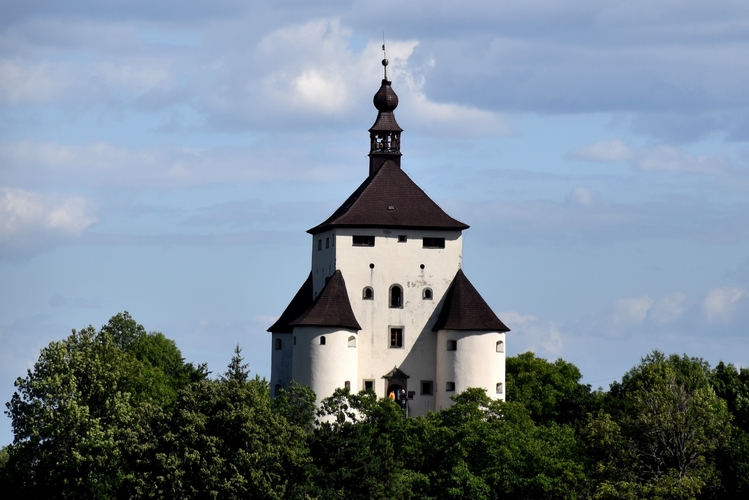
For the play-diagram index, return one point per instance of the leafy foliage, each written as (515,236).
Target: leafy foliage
(117,413)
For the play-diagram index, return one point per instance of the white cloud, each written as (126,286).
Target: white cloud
(719,304)
(531,334)
(32,163)
(671,159)
(583,197)
(661,158)
(32,221)
(667,308)
(604,151)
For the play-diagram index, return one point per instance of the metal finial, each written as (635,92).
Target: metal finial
(385,58)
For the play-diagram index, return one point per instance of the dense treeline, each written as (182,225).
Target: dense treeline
(117,413)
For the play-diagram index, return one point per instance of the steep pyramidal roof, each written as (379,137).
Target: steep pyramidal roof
(465,309)
(389,198)
(331,308)
(301,301)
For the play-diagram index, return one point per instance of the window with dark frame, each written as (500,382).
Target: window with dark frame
(368,293)
(363,241)
(452,345)
(433,242)
(327,242)
(369,385)
(396,297)
(450,387)
(396,337)
(427,295)
(319,244)
(427,387)
(322,340)
(402,238)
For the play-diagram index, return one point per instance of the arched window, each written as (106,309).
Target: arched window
(427,294)
(452,345)
(352,341)
(322,340)
(396,296)
(279,344)
(500,389)
(367,293)
(500,346)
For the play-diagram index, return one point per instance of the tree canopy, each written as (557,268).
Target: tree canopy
(118,413)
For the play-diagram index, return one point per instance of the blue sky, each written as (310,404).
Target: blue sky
(166,158)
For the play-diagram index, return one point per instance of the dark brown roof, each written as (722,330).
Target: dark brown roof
(396,373)
(331,308)
(464,309)
(301,301)
(389,198)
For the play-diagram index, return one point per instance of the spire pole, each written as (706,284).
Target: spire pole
(384,57)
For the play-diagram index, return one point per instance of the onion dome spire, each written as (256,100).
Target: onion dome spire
(385,134)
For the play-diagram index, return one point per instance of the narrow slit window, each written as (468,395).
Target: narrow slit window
(279,344)
(347,385)
(294,339)
(396,297)
(327,242)
(434,242)
(277,389)
(322,340)
(319,244)
(364,241)
(500,388)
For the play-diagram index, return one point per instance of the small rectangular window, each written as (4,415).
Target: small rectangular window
(369,385)
(364,241)
(427,387)
(277,389)
(450,386)
(327,242)
(402,238)
(434,242)
(452,345)
(319,245)
(347,385)
(396,337)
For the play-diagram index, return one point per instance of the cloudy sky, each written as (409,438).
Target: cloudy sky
(166,158)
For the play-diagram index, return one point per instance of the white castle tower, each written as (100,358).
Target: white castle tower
(386,306)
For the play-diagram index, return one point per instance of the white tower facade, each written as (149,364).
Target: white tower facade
(386,306)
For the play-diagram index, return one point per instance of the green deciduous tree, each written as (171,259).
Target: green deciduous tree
(672,424)
(78,413)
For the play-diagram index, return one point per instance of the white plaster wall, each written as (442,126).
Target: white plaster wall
(323,261)
(475,363)
(395,263)
(281,361)
(324,368)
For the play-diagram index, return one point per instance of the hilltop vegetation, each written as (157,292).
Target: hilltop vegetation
(117,413)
